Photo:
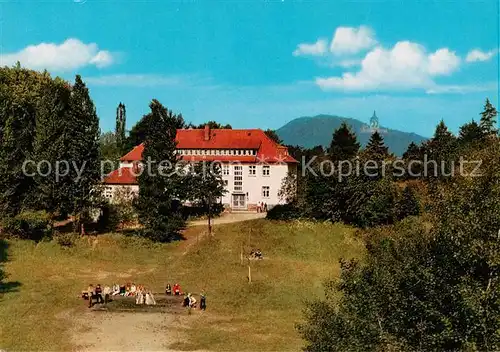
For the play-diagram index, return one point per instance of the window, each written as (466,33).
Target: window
(266,170)
(226,182)
(265,191)
(108,192)
(238,178)
(225,170)
(252,170)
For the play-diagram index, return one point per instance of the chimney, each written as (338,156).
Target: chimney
(207,132)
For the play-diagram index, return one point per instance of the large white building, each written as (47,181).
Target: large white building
(253,165)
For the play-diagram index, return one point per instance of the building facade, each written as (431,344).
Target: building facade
(253,166)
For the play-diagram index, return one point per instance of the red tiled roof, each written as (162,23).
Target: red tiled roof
(122,176)
(267,150)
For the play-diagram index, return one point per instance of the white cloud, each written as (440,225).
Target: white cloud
(462,89)
(349,63)
(443,62)
(136,80)
(316,49)
(67,56)
(352,40)
(478,55)
(407,65)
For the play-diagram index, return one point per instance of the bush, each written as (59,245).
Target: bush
(284,212)
(66,239)
(30,225)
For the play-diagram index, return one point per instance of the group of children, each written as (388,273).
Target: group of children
(142,295)
(189,300)
(102,295)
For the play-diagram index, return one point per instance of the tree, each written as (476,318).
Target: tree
(413,157)
(344,145)
(273,136)
(207,186)
(376,148)
(470,133)
(441,151)
(121,123)
(158,201)
(20,91)
(145,125)
(288,189)
(488,119)
(53,138)
(212,124)
(110,151)
(408,205)
(84,151)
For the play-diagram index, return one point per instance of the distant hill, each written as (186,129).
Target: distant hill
(317,130)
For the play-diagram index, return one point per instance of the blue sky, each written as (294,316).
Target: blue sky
(262,64)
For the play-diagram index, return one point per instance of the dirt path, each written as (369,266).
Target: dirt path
(230,218)
(104,331)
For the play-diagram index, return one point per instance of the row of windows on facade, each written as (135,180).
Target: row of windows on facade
(217,151)
(238,186)
(252,170)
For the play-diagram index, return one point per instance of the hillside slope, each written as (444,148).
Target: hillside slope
(317,130)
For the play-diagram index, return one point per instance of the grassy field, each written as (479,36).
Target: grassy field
(45,280)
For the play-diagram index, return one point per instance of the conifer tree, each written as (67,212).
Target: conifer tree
(157,204)
(488,119)
(142,128)
(441,150)
(470,134)
(19,96)
(121,121)
(84,150)
(52,139)
(413,154)
(376,148)
(344,144)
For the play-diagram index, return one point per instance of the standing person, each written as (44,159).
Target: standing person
(91,294)
(203,301)
(185,301)
(107,293)
(265,207)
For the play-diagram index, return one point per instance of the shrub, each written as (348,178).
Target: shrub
(30,225)
(66,239)
(284,212)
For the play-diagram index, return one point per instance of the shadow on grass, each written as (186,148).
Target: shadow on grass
(6,286)
(140,233)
